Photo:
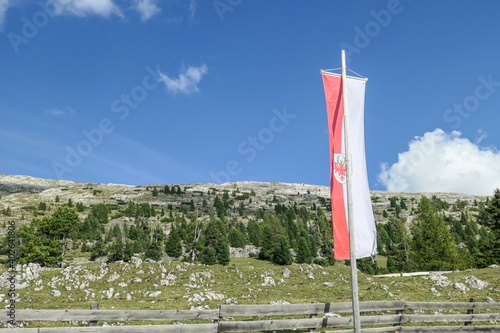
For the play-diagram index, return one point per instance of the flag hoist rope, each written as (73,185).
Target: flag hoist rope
(352,243)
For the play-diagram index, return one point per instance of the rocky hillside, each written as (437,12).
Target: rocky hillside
(296,210)
(21,193)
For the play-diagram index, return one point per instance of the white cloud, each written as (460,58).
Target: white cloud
(146,8)
(59,112)
(85,7)
(107,8)
(187,81)
(4,5)
(441,162)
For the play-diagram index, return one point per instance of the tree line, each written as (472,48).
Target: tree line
(435,240)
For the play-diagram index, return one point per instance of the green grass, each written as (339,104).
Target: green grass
(241,281)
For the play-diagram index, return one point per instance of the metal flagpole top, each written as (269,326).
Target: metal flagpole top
(340,75)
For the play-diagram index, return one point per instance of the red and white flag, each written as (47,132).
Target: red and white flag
(365,231)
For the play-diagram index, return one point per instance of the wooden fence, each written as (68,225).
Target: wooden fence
(387,316)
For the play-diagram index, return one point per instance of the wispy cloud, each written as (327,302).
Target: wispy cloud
(85,7)
(4,5)
(146,8)
(192,9)
(34,144)
(107,8)
(187,82)
(55,112)
(441,162)
(138,162)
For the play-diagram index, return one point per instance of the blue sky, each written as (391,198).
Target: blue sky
(143,91)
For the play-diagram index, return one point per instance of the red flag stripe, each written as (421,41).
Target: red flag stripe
(335,108)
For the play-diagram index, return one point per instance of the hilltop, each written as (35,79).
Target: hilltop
(20,191)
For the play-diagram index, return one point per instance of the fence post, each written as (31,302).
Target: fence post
(93,306)
(470,311)
(313,315)
(217,321)
(400,312)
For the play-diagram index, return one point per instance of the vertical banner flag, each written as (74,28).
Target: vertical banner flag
(365,231)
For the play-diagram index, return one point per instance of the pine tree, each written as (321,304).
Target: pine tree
(267,248)
(36,247)
(313,246)
(207,256)
(383,240)
(173,245)
(80,207)
(117,232)
(283,256)
(42,206)
(223,254)
(44,240)
(400,246)
(100,211)
(494,213)
(456,229)
(137,246)
(391,266)
(432,247)
(303,253)
(128,251)
(402,203)
(214,239)
(219,207)
(154,251)
(116,250)
(236,238)
(98,250)
(254,233)
(125,230)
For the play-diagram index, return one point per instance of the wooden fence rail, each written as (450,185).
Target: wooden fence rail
(395,316)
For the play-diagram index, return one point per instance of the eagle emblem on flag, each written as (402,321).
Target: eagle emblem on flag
(340,168)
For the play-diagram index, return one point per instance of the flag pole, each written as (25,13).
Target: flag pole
(350,218)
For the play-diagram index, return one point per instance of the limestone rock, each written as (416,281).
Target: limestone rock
(460,286)
(475,283)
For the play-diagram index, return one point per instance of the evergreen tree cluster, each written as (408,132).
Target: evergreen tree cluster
(437,241)
(289,233)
